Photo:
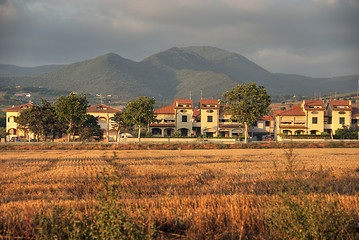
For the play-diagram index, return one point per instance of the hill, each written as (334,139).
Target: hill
(176,72)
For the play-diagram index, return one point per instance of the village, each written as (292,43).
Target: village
(213,120)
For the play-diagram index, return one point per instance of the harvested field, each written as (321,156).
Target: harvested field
(184,194)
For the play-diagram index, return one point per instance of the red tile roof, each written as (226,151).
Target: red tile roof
(309,104)
(267,118)
(19,108)
(204,102)
(336,104)
(177,102)
(165,110)
(102,108)
(295,111)
(196,112)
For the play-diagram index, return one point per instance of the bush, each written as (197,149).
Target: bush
(305,217)
(347,133)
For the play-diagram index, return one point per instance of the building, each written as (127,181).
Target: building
(11,126)
(211,119)
(105,115)
(103,112)
(314,118)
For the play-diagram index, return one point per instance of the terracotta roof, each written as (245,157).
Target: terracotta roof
(309,104)
(162,125)
(266,118)
(177,102)
(196,112)
(355,111)
(102,108)
(165,110)
(336,104)
(204,102)
(19,108)
(295,111)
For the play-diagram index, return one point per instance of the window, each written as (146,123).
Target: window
(184,118)
(255,124)
(342,120)
(314,120)
(267,123)
(209,118)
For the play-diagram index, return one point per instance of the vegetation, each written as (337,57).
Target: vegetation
(347,133)
(140,113)
(122,123)
(69,115)
(72,111)
(247,103)
(175,72)
(216,194)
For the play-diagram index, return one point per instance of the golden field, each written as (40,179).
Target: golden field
(185,194)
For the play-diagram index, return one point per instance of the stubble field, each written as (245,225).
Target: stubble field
(181,194)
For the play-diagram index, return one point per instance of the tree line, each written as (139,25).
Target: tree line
(68,115)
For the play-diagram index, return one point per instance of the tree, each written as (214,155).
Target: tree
(140,112)
(29,121)
(90,130)
(121,123)
(247,104)
(72,111)
(40,120)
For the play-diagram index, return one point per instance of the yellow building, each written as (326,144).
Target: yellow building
(105,115)
(12,131)
(339,114)
(165,125)
(209,113)
(183,116)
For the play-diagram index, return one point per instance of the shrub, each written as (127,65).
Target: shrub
(305,217)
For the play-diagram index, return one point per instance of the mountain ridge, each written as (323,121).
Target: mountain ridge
(175,73)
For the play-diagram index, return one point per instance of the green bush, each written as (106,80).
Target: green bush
(347,133)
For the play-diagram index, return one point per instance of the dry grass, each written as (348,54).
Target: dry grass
(201,194)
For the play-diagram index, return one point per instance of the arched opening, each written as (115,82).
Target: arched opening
(299,132)
(168,132)
(102,120)
(11,119)
(12,131)
(156,131)
(287,132)
(313,132)
(184,132)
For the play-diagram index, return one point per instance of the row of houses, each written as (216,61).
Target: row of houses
(315,117)
(212,119)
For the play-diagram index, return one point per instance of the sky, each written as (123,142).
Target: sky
(317,38)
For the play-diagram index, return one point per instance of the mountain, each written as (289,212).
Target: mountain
(175,73)
(12,70)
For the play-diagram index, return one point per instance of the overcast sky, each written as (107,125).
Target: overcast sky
(317,38)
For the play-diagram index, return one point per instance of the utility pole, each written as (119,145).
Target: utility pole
(201,94)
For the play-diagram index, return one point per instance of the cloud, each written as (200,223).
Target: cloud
(298,31)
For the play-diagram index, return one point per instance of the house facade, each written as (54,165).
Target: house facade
(314,118)
(211,119)
(105,115)
(12,130)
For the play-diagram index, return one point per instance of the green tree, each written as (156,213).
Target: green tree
(247,104)
(72,111)
(122,123)
(90,129)
(29,121)
(140,113)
